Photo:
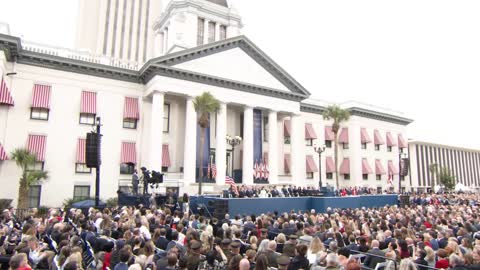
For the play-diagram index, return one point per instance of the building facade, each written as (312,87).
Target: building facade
(462,163)
(50,98)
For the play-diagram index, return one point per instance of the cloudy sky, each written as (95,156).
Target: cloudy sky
(421,57)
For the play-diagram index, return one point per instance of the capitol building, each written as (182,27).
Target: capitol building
(138,65)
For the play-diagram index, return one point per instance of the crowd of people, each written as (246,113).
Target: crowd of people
(435,233)
(268,191)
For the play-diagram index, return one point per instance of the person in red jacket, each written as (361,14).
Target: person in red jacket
(442,262)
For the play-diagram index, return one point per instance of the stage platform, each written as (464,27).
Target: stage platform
(218,207)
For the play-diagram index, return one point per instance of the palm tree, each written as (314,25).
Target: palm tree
(433,168)
(204,104)
(23,158)
(338,115)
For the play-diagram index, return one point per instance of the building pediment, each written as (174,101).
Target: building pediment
(234,61)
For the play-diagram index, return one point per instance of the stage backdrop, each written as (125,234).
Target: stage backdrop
(257,136)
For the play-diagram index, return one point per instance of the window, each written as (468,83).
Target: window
(379,177)
(389,149)
(329,175)
(403,189)
(81,192)
(211,32)
(223,32)
(286,140)
(364,146)
(166,118)
(265,129)
(241,125)
(87,118)
(365,176)
(346,176)
(39,114)
(200,31)
(309,142)
(377,147)
(82,168)
(345,145)
(328,144)
(164,169)
(34,196)
(379,190)
(130,123)
(400,150)
(309,175)
(37,166)
(402,177)
(127,168)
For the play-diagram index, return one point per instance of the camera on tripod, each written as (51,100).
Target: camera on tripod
(154,178)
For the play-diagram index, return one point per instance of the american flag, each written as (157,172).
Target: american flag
(214,170)
(256,171)
(390,178)
(261,167)
(230,181)
(266,173)
(208,170)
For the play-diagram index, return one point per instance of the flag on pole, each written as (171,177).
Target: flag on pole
(390,178)
(265,168)
(230,181)
(214,171)
(256,172)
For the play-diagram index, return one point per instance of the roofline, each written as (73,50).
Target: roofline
(356,111)
(419,142)
(241,42)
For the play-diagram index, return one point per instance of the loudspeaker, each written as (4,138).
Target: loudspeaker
(220,209)
(404,200)
(92,150)
(404,163)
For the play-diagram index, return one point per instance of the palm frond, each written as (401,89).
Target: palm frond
(23,157)
(35,177)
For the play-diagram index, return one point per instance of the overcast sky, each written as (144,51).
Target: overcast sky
(421,57)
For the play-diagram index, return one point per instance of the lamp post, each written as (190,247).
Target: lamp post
(233,141)
(319,151)
(400,171)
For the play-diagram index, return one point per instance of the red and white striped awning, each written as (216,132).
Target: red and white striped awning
(401,142)
(286,163)
(309,132)
(81,145)
(130,110)
(311,165)
(364,136)
(391,168)
(366,167)
(329,135)
(330,165)
(390,141)
(129,153)
(5,96)
(166,156)
(343,138)
(379,167)
(345,167)
(3,153)
(377,139)
(88,103)
(286,128)
(41,96)
(36,144)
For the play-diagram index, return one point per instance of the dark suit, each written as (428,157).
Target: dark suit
(421,262)
(371,260)
(162,243)
(442,243)
(181,249)
(272,258)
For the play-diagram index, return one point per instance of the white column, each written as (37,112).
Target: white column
(205,32)
(158,44)
(189,156)
(221,149)
(272,147)
(217,31)
(156,131)
(297,151)
(247,166)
